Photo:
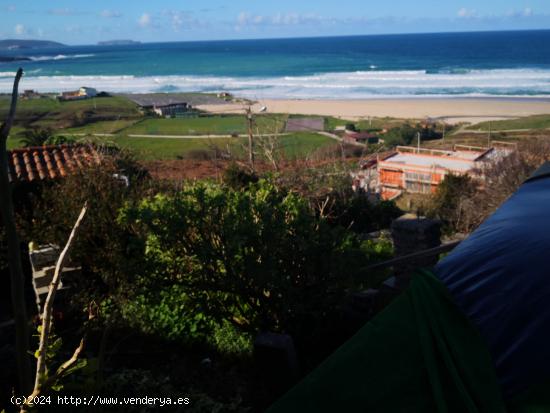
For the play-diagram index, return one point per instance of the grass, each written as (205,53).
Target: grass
(297,145)
(205,125)
(14,142)
(107,126)
(49,112)
(223,125)
(529,122)
(301,144)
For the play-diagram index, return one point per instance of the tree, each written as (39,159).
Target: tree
(14,251)
(448,202)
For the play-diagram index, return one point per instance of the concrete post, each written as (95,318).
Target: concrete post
(412,234)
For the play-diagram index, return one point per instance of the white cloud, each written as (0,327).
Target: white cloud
(145,20)
(20,29)
(466,13)
(245,19)
(109,14)
(11,8)
(528,12)
(183,20)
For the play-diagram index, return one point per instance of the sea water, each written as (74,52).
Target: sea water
(415,65)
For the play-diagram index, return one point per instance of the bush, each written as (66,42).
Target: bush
(258,259)
(102,246)
(59,140)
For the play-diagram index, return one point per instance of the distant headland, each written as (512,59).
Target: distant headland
(18,44)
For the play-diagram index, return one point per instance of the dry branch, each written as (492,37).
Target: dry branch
(41,382)
(48,305)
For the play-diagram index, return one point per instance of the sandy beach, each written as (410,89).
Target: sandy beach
(450,110)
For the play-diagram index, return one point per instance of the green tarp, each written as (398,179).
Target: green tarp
(420,354)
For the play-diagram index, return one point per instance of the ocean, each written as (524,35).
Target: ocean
(514,64)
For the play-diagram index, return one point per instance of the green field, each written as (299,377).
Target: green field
(529,122)
(297,145)
(121,118)
(49,112)
(205,125)
(107,126)
(223,125)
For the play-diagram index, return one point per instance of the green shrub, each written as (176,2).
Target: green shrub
(59,140)
(259,259)
(229,341)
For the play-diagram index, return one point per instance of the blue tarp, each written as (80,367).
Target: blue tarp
(500,278)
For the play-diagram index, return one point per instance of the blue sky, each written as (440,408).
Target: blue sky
(87,22)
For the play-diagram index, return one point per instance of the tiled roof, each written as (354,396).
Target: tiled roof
(49,162)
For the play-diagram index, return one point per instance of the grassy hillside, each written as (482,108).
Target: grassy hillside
(107,126)
(529,122)
(49,112)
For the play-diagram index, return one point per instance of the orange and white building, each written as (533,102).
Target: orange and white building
(416,170)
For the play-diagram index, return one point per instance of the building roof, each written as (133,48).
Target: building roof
(49,162)
(457,160)
(406,159)
(149,100)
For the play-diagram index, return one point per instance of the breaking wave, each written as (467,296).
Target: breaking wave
(348,85)
(59,57)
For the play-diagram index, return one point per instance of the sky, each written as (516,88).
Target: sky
(87,22)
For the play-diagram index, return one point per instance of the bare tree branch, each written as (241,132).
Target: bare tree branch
(48,305)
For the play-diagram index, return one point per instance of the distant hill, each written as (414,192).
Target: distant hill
(17,44)
(118,43)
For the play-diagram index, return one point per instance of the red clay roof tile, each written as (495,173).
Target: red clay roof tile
(49,162)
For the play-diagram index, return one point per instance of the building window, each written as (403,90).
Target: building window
(418,177)
(418,187)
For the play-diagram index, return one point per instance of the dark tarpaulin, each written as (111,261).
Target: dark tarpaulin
(419,355)
(500,278)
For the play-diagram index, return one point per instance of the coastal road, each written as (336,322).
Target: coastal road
(112,135)
(339,139)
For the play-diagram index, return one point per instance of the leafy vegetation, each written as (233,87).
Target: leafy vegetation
(406,134)
(242,256)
